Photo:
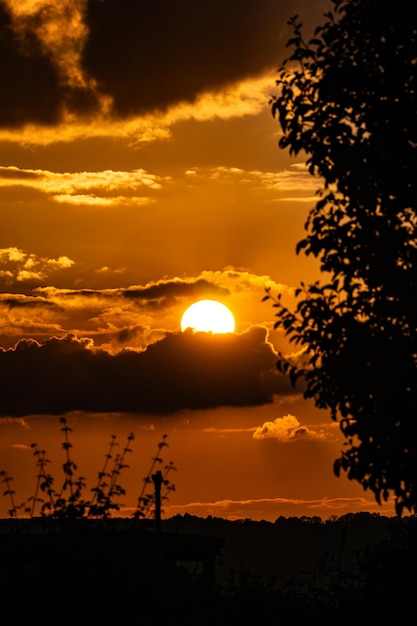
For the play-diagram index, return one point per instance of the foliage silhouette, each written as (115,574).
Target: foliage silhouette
(69,502)
(270,572)
(347,99)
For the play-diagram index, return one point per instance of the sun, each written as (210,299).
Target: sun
(208,316)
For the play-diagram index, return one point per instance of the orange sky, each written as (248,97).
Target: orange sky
(139,173)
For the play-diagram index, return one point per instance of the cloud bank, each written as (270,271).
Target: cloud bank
(181,371)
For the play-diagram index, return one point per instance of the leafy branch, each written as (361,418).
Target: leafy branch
(69,501)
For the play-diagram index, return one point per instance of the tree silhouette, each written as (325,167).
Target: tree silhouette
(347,100)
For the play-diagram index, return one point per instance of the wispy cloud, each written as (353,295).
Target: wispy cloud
(87,188)
(277,185)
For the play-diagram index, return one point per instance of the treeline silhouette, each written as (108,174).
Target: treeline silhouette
(264,571)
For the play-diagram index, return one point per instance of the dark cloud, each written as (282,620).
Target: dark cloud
(171,289)
(183,371)
(22,302)
(15,173)
(163,292)
(29,84)
(146,55)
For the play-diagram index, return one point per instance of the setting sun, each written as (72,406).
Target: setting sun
(208,316)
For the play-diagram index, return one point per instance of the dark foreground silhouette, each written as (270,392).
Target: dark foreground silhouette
(205,571)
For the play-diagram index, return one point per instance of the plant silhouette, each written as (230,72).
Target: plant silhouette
(347,99)
(68,502)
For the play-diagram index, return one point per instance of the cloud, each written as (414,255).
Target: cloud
(122,318)
(87,188)
(285,429)
(181,371)
(124,58)
(59,29)
(133,316)
(43,44)
(237,100)
(178,50)
(112,188)
(115,308)
(169,289)
(20,266)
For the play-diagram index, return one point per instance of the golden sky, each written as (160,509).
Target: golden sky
(139,173)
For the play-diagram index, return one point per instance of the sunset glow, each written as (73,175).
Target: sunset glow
(142,195)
